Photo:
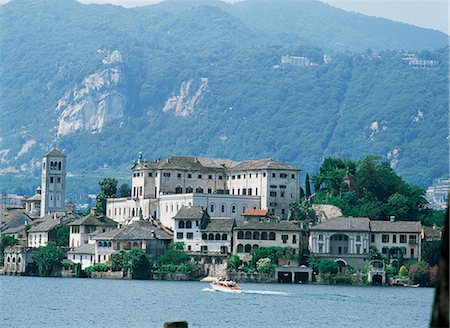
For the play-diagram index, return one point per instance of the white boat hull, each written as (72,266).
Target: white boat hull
(224,289)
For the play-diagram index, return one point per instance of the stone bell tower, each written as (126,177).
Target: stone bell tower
(53,194)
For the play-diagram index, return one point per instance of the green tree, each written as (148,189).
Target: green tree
(302,211)
(375,254)
(48,259)
(174,254)
(302,194)
(124,191)
(6,241)
(418,273)
(274,253)
(108,189)
(233,262)
(431,251)
(63,235)
(307,187)
(141,264)
(403,271)
(328,266)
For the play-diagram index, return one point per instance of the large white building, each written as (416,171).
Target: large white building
(223,187)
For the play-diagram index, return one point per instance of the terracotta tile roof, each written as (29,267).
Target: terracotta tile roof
(252,212)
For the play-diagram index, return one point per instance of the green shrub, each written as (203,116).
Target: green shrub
(328,266)
(342,280)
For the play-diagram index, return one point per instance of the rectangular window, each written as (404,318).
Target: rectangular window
(58,179)
(256,191)
(320,248)
(384,238)
(283,211)
(394,239)
(220,177)
(140,191)
(189,247)
(273,194)
(210,177)
(283,175)
(166,174)
(250,175)
(282,194)
(118,245)
(273,186)
(150,174)
(274,175)
(284,238)
(199,176)
(197,223)
(249,191)
(244,192)
(233,177)
(293,176)
(190,235)
(204,249)
(179,235)
(189,176)
(51,179)
(294,239)
(372,238)
(238,176)
(179,175)
(403,239)
(264,174)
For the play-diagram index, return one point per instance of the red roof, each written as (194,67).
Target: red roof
(256,212)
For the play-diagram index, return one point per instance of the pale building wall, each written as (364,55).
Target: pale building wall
(357,243)
(85,259)
(37,239)
(217,205)
(53,184)
(278,242)
(409,244)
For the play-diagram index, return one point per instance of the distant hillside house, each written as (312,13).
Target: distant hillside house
(297,61)
(223,187)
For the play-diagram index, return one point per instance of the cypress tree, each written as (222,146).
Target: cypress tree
(307,186)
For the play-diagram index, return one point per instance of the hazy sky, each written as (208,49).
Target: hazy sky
(424,13)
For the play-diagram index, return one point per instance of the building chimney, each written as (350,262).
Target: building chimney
(392,218)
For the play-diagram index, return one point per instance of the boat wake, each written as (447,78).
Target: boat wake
(259,292)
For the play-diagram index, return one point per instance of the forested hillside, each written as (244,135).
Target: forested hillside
(102,83)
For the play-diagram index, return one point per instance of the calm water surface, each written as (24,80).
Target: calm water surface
(58,302)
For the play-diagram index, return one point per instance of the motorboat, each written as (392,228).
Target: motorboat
(225,285)
(408,285)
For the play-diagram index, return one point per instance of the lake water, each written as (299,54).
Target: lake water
(59,302)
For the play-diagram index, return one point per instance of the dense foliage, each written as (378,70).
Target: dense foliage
(371,188)
(48,259)
(328,266)
(326,110)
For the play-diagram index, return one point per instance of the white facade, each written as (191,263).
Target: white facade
(53,193)
(85,259)
(158,187)
(37,239)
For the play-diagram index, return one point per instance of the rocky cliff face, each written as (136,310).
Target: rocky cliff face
(95,103)
(190,95)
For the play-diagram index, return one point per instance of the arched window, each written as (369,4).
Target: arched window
(248,235)
(188,224)
(233,209)
(129,244)
(222,208)
(14,260)
(212,208)
(181,224)
(100,244)
(19,259)
(177,206)
(59,166)
(211,236)
(240,248)
(256,235)
(248,248)
(255,247)
(224,236)
(199,190)
(263,235)
(8,259)
(321,237)
(244,208)
(209,190)
(135,244)
(240,235)
(204,236)
(109,244)
(178,189)
(217,236)
(189,190)
(272,236)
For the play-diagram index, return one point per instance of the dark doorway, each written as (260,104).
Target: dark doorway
(301,277)
(285,277)
(377,280)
